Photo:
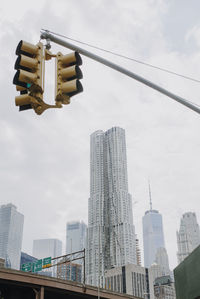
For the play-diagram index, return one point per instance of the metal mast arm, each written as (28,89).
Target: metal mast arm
(46,35)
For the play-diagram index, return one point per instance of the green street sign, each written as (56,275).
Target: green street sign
(26,267)
(37,266)
(46,262)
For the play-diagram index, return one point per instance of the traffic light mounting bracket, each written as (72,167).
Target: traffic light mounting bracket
(36,100)
(40,106)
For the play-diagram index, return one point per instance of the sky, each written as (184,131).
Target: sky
(45,160)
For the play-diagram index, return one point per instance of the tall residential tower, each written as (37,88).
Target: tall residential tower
(111,233)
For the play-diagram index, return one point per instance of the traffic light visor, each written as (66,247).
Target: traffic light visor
(26,48)
(21,100)
(22,77)
(71,59)
(25,63)
(20,88)
(24,102)
(16,81)
(71,72)
(72,87)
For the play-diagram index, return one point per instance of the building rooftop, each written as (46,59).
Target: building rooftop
(151,212)
(163,280)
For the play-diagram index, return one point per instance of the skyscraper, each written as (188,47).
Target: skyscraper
(162,260)
(75,236)
(111,233)
(47,248)
(138,252)
(153,240)
(188,236)
(11,232)
(153,237)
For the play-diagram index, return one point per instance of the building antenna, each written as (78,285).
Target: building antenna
(150,196)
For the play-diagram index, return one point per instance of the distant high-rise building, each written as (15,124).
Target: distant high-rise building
(111,233)
(26,258)
(156,271)
(153,239)
(11,233)
(188,236)
(75,236)
(162,260)
(138,252)
(164,288)
(69,271)
(130,279)
(47,248)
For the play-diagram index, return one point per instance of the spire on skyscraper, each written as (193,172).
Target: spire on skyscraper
(150,199)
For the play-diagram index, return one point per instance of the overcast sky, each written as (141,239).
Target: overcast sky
(44,160)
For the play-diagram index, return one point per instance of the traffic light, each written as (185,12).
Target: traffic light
(28,78)
(68,74)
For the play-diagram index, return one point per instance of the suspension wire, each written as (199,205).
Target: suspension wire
(126,57)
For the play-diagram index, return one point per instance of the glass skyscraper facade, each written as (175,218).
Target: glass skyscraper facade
(111,234)
(75,236)
(11,233)
(153,236)
(47,248)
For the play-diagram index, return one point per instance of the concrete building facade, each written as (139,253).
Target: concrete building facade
(162,260)
(164,288)
(187,275)
(188,236)
(130,279)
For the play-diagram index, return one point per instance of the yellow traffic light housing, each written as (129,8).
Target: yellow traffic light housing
(29,65)
(30,73)
(67,76)
(28,78)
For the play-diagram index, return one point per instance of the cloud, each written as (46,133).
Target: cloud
(45,159)
(193,35)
